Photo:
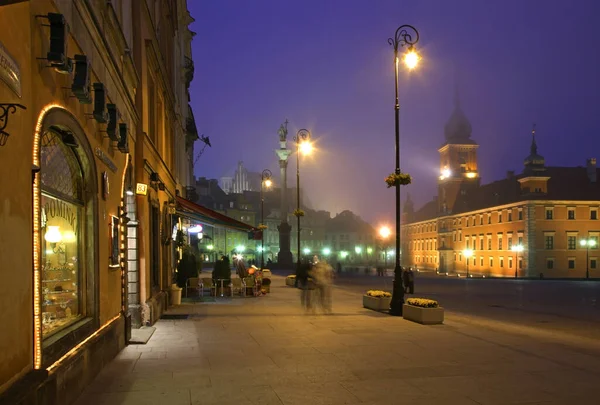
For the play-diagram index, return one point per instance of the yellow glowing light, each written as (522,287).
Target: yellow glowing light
(384,232)
(53,234)
(411,59)
(446,173)
(37,285)
(268,183)
(468,253)
(306,148)
(69,236)
(83,342)
(471,175)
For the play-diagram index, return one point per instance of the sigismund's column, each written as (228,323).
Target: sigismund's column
(284,257)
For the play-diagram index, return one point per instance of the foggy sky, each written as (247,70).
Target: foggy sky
(325,65)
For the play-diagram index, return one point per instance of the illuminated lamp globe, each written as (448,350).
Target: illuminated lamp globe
(53,234)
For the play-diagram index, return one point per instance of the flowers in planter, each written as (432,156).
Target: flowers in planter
(378,294)
(262,227)
(398,179)
(291,276)
(422,302)
(298,213)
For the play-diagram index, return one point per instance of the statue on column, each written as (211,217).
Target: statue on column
(284,256)
(283,131)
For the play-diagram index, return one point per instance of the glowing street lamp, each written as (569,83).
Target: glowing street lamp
(303,146)
(517,249)
(306,250)
(326,251)
(587,243)
(343,254)
(265,180)
(240,248)
(468,253)
(405,35)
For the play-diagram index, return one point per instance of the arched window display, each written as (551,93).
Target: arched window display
(62,208)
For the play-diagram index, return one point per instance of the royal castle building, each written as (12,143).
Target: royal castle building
(542,222)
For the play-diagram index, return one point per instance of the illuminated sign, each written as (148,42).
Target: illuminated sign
(141,189)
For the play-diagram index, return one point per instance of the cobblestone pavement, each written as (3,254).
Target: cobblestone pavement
(267,350)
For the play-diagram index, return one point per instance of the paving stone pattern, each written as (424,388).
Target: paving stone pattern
(267,350)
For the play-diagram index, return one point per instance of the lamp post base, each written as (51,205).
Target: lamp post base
(397,293)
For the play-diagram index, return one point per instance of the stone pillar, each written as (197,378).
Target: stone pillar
(284,257)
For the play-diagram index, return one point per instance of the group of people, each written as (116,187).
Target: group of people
(314,278)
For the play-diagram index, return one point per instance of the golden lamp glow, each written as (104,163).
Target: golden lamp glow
(53,234)
(411,59)
(268,183)
(306,148)
(384,232)
(468,253)
(471,175)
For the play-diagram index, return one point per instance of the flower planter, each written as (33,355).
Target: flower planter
(377,304)
(424,316)
(290,281)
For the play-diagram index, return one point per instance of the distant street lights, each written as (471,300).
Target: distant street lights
(468,253)
(517,249)
(303,145)
(265,181)
(405,35)
(587,243)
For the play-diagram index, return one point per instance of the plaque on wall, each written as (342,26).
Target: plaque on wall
(9,71)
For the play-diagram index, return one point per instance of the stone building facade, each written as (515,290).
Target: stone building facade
(530,224)
(94,152)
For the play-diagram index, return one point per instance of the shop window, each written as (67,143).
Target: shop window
(63,235)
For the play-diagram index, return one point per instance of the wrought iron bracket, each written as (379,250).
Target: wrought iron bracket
(5,109)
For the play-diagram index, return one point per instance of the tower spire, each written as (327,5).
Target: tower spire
(533,149)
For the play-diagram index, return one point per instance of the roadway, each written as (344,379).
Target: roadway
(569,307)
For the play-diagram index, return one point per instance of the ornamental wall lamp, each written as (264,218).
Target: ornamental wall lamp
(59,33)
(4,110)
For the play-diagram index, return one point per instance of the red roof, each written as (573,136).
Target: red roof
(210,216)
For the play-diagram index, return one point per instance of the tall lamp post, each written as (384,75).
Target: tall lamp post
(587,243)
(517,249)
(265,181)
(468,253)
(303,145)
(406,35)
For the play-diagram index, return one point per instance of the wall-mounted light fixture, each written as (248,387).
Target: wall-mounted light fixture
(59,33)
(81,80)
(113,117)
(4,110)
(123,144)
(100,114)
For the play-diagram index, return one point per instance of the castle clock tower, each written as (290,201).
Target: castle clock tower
(458,161)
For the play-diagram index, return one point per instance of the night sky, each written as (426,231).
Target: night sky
(325,65)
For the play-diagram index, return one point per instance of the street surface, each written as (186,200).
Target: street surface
(570,307)
(267,350)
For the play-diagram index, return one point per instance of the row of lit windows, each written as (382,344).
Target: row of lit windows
(472,242)
(427,244)
(473,261)
(593,213)
(571,263)
(431,227)
(571,242)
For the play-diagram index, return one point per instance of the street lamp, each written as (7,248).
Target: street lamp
(326,251)
(384,233)
(405,35)
(587,243)
(468,253)
(517,249)
(303,145)
(265,180)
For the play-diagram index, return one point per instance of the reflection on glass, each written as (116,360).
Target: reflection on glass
(61,295)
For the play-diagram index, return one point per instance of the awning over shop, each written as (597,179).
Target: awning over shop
(192,210)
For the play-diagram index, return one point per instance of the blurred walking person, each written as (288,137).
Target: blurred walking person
(322,274)
(302,282)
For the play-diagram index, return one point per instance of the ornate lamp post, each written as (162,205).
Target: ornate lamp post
(265,181)
(406,35)
(303,145)
(587,243)
(468,253)
(517,249)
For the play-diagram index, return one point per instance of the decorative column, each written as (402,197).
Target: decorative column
(284,257)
